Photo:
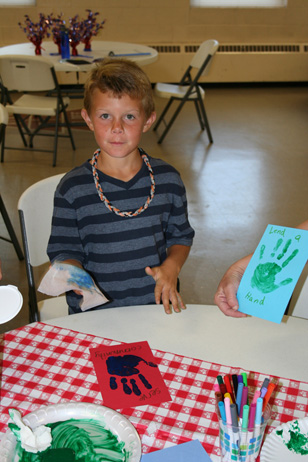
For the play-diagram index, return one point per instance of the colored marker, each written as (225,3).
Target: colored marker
(234,419)
(258,417)
(263,392)
(244,400)
(245,417)
(259,411)
(256,396)
(112,54)
(239,397)
(216,387)
(222,411)
(239,379)
(252,416)
(244,427)
(227,395)
(228,411)
(244,375)
(234,381)
(251,423)
(265,383)
(219,379)
(229,419)
(229,387)
(234,415)
(218,397)
(223,388)
(269,392)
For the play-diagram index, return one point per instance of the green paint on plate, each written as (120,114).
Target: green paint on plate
(298,441)
(86,439)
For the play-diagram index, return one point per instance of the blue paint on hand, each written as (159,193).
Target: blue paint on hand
(80,277)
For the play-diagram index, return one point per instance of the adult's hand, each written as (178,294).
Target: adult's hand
(225,297)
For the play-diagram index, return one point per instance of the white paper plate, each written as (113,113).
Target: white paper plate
(119,425)
(10,303)
(275,449)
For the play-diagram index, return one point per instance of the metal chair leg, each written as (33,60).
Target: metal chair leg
(56,140)
(11,231)
(68,125)
(199,114)
(2,140)
(170,123)
(161,117)
(206,123)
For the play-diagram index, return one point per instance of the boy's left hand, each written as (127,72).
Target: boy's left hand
(165,289)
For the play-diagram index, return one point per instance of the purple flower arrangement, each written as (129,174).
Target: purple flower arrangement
(36,31)
(90,29)
(55,24)
(79,30)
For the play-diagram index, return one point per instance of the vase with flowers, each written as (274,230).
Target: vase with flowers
(90,29)
(75,33)
(56,24)
(36,32)
(83,30)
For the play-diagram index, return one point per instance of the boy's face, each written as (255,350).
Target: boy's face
(117,123)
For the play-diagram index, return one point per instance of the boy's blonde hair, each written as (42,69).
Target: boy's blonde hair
(120,77)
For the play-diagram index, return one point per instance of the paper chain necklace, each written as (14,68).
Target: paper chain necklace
(104,199)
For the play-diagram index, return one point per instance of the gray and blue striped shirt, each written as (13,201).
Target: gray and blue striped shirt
(115,250)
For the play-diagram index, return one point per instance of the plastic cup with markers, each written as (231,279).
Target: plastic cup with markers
(242,442)
(242,417)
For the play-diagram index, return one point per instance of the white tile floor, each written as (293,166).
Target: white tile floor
(255,173)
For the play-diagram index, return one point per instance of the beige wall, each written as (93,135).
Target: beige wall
(171,21)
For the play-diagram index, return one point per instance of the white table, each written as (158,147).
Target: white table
(203,332)
(141,54)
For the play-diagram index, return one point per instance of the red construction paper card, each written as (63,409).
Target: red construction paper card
(128,375)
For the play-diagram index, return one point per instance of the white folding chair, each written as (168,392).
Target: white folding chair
(188,89)
(29,75)
(35,208)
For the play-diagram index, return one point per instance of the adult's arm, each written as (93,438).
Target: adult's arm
(225,297)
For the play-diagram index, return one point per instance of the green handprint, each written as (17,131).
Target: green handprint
(264,276)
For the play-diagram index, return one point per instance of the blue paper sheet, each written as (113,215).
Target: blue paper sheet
(272,273)
(192,451)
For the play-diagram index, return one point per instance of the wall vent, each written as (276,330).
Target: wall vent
(167,48)
(191,48)
(235,62)
(235,48)
(259,49)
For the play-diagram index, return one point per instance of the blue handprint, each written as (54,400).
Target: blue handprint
(264,276)
(125,366)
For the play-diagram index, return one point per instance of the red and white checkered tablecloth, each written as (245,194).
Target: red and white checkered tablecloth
(43,364)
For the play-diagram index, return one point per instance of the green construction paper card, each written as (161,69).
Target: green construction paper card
(272,273)
(192,451)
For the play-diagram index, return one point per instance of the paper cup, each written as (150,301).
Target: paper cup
(239,445)
(10,303)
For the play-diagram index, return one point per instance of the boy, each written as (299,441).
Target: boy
(122,216)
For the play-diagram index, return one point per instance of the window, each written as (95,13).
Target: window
(239,3)
(17,2)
